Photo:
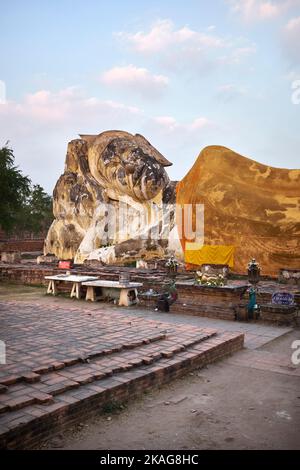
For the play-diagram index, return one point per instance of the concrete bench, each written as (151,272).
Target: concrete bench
(125,293)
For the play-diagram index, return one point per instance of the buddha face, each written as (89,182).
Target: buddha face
(129,169)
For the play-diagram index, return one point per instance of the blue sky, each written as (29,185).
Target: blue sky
(183,74)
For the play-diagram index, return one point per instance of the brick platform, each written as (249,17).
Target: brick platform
(280,314)
(66,363)
(224,303)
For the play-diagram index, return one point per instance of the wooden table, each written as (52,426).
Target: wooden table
(75,279)
(125,294)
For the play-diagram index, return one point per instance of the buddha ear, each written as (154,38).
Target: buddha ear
(89,138)
(144,143)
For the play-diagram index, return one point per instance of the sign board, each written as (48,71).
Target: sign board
(64,264)
(283,298)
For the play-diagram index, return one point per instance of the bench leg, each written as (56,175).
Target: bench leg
(52,288)
(125,297)
(78,290)
(73,291)
(90,294)
(49,289)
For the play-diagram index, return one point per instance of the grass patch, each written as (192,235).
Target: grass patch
(113,407)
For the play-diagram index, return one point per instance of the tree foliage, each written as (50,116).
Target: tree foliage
(24,207)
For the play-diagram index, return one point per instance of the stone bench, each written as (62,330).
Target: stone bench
(125,293)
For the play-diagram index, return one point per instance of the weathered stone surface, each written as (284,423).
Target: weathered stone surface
(113,171)
(252,206)
(44,259)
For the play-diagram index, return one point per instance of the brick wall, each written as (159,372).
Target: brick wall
(22,245)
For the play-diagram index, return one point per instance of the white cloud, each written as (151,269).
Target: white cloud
(257,10)
(163,35)
(169,124)
(69,105)
(291,39)
(293,25)
(135,79)
(40,125)
(251,10)
(200,123)
(184,49)
(292,75)
(238,55)
(229,92)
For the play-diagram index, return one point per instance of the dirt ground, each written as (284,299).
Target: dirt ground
(228,405)
(224,406)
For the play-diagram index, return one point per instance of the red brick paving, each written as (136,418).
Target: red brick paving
(65,363)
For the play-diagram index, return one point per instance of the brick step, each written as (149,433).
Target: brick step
(24,428)
(36,373)
(74,376)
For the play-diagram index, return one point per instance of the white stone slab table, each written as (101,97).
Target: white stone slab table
(76,280)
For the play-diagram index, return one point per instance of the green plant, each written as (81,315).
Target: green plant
(113,407)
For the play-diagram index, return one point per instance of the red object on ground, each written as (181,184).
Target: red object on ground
(62,264)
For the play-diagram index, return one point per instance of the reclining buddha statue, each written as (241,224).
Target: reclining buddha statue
(115,203)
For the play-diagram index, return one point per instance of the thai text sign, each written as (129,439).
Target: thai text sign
(282,298)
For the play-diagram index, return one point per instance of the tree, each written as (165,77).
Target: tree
(24,207)
(14,189)
(37,210)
